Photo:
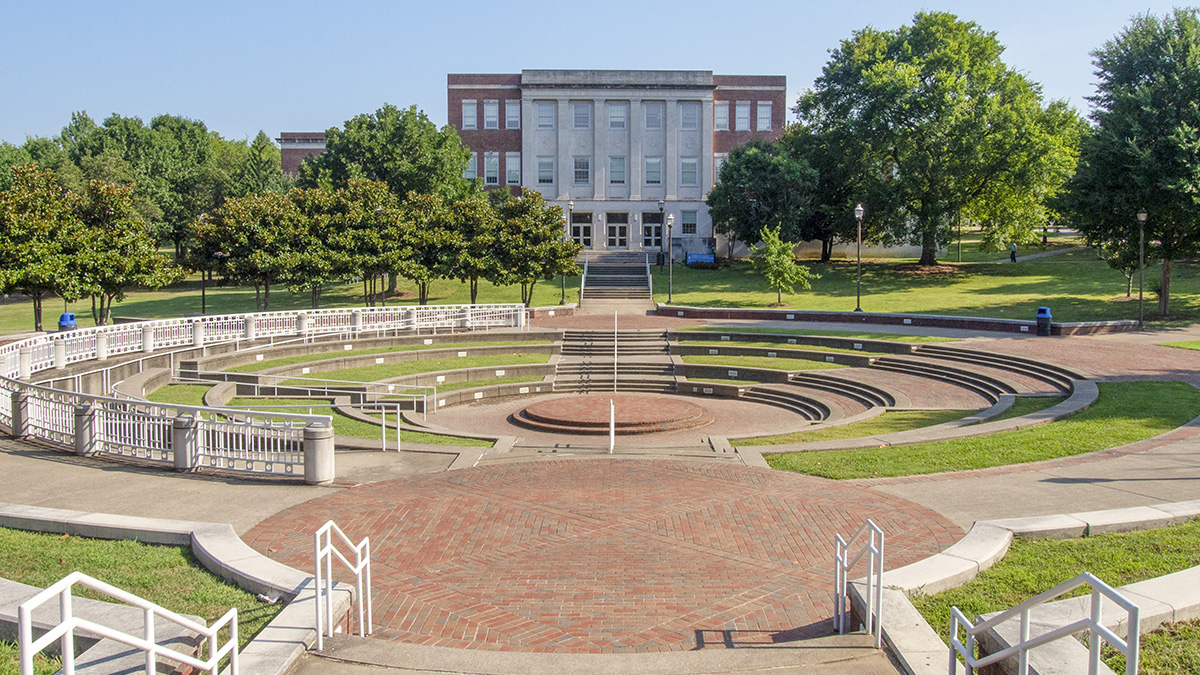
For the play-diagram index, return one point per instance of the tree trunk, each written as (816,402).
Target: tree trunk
(422,292)
(266,297)
(1164,296)
(257,296)
(95,312)
(1129,285)
(474,289)
(316,297)
(366,293)
(106,303)
(37,311)
(391,283)
(928,246)
(826,249)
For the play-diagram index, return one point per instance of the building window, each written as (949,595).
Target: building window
(491,114)
(689,172)
(545,115)
(583,171)
(470,115)
(764,116)
(472,171)
(719,160)
(581,113)
(721,116)
(491,168)
(654,171)
(687,222)
(689,116)
(545,170)
(616,170)
(742,121)
(617,112)
(654,116)
(512,114)
(512,168)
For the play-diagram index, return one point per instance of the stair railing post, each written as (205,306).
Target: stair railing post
(614,351)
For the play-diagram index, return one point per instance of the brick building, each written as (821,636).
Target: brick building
(620,151)
(296,146)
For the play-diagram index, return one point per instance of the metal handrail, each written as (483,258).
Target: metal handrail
(324,548)
(649,278)
(69,623)
(843,563)
(1097,632)
(583,279)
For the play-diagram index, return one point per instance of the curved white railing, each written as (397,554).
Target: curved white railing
(68,624)
(843,563)
(324,549)
(263,442)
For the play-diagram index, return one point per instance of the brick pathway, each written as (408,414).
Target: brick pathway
(594,556)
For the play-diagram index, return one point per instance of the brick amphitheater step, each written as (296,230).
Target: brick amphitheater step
(589,414)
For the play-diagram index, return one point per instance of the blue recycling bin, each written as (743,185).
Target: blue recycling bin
(67,321)
(1043,321)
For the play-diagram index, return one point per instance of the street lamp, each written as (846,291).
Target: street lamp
(1141,216)
(858,215)
(661,206)
(566,233)
(670,256)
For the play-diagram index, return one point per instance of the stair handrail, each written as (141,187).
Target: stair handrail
(69,623)
(1097,632)
(873,548)
(324,548)
(583,279)
(649,278)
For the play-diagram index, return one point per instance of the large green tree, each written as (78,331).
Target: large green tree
(531,245)
(426,252)
(945,126)
(1144,152)
(760,184)
(475,238)
(255,236)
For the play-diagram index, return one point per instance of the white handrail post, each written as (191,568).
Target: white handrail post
(151,654)
(612,425)
(614,351)
(317,590)
(67,643)
(1094,640)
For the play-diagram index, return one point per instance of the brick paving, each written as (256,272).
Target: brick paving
(628,414)
(594,556)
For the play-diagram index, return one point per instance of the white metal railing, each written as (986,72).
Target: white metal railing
(649,278)
(324,549)
(68,623)
(316,386)
(583,279)
(843,563)
(1097,632)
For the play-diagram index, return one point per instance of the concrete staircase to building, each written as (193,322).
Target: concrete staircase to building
(617,277)
(643,362)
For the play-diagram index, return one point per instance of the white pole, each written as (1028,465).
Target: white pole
(614,352)
(612,425)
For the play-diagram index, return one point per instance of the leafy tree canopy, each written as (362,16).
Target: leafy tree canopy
(760,184)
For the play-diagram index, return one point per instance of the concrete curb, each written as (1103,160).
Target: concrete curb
(223,553)
(920,649)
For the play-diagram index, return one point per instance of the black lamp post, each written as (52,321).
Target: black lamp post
(670,256)
(858,215)
(661,206)
(1141,216)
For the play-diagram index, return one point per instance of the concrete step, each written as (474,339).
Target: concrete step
(863,393)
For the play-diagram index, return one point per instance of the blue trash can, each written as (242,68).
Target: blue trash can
(67,321)
(1043,321)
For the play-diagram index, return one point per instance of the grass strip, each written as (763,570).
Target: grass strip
(43,663)
(781,363)
(181,394)
(719,380)
(890,337)
(885,423)
(343,425)
(307,358)
(1125,412)
(1186,344)
(386,371)
(777,345)
(166,575)
(1025,405)
(1034,565)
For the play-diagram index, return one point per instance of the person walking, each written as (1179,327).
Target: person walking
(1012,252)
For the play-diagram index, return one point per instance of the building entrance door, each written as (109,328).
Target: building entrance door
(618,230)
(652,231)
(581,229)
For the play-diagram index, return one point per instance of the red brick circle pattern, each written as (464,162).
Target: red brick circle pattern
(631,414)
(598,556)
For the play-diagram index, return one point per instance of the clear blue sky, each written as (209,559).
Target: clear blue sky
(303,66)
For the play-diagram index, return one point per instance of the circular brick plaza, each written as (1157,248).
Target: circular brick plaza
(598,556)
(631,414)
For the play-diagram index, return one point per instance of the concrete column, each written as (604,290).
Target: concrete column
(301,324)
(24,362)
(671,148)
(87,429)
(637,125)
(600,149)
(318,455)
(20,414)
(249,335)
(101,346)
(147,339)
(60,353)
(356,321)
(197,334)
(185,443)
(566,167)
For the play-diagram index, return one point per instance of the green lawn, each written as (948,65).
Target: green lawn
(166,575)
(780,363)
(718,380)
(383,371)
(344,425)
(972,250)
(181,394)
(885,423)
(10,661)
(778,345)
(1186,344)
(1033,566)
(891,337)
(306,358)
(1083,290)
(1025,405)
(1125,412)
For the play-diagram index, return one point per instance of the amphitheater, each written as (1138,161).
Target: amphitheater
(544,492)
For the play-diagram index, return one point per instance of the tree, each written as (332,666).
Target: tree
(944,124)
(315,237)
(531,244)
(11,157)
(425,253)
(369,233)
(1144,152)
(39,236)
(475,242)
(402,148)
(256,233)
(116,251)
(776,260)
(260,169)
(760,184)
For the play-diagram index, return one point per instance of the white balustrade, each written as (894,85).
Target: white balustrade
(844,561)
(324,550)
